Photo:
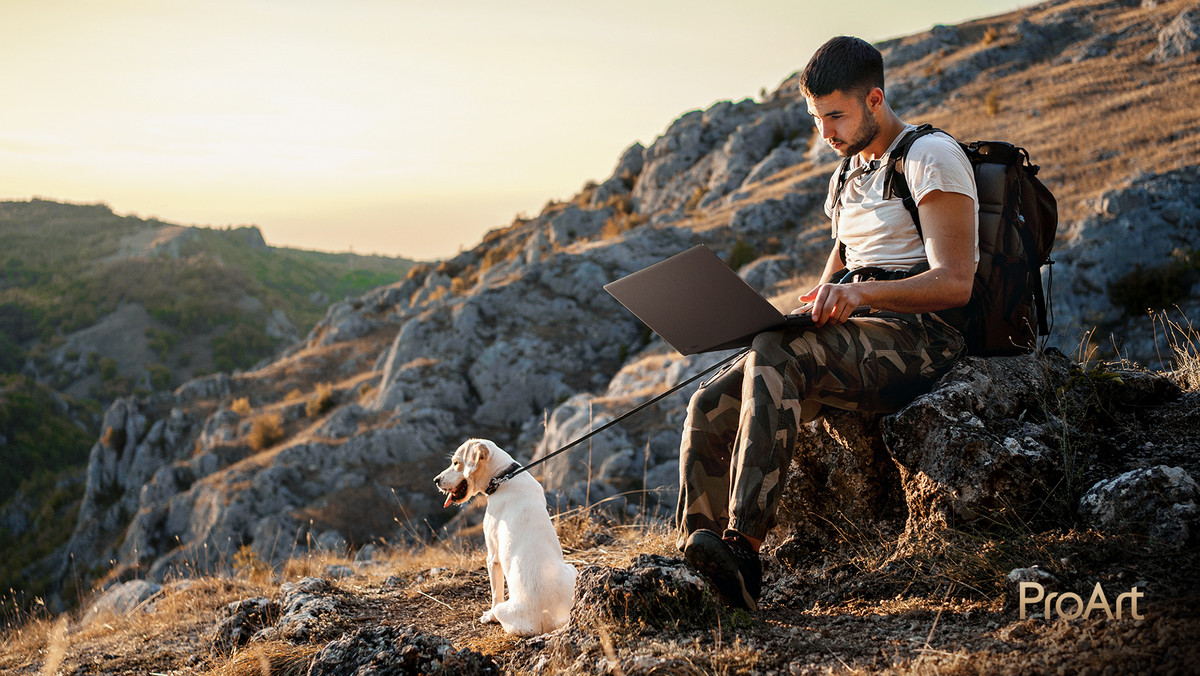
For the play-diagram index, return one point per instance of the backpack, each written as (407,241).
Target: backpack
(1018,219)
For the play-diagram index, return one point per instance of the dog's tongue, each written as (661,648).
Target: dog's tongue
(449,499)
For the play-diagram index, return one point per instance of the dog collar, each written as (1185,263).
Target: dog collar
(508,473)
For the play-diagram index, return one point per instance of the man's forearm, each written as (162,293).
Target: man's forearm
(929,291)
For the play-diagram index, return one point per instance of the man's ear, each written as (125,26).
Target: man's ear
(874,99)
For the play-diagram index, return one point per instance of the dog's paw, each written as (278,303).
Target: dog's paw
(487,617)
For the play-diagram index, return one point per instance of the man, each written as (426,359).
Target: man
(741,426)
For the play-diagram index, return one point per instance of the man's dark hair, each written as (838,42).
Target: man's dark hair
(844,63)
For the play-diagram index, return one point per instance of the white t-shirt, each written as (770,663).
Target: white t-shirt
(881,233)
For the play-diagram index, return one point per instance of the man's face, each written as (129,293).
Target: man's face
(845,122)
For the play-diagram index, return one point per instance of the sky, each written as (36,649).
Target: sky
(397,127)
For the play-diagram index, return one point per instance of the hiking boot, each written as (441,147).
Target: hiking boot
(730,563)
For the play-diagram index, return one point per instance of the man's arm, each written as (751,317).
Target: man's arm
(948,223)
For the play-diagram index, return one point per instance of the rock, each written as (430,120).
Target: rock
(968,448)
(623,178)
(337,572)
(775,214)
(573,223)
(280,327)
(1180,38)
(240,621)
(1012,584)
(652,589)
(706,155)
(841,476)
(122,599)
(396,650)
(309,610)
(1160,502)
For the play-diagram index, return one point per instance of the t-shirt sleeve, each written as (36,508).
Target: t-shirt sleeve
(936,162)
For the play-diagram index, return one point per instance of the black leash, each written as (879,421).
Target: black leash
(513,471)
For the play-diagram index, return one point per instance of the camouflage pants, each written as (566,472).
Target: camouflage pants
(741,425)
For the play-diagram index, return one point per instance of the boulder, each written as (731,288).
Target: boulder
(654,589)
(980,444)
(240,621)
(397,650)
(1179,39)
(841,478)
(309,611)
(1160,502)
(122,599)
(1136,235)
(776,214)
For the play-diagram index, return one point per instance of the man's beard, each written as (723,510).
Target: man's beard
(866,133)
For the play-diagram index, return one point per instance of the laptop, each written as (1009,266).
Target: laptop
(698,304)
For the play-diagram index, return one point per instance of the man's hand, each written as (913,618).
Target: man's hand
(833,303)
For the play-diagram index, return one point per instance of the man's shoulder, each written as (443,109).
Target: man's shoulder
(937,146)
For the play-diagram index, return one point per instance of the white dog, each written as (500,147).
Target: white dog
(522,547)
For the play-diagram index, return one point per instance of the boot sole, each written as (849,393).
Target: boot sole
(706,553)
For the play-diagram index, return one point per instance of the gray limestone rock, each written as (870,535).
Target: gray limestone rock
(1160,502)
(974,446)
(397,650)
(240,621)
(1179,39)
(122,599)
(652,589)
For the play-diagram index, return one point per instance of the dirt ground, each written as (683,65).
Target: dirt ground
(861,610)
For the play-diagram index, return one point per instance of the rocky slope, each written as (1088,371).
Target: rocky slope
(334,445)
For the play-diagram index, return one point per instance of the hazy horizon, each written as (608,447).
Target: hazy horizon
(398,128)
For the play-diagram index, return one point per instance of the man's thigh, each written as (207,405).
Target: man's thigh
(879,362)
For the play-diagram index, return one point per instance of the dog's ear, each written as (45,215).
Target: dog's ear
(477,455)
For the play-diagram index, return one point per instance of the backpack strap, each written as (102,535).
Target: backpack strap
(843,170)
(895,185)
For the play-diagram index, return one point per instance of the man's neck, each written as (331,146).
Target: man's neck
(889,128)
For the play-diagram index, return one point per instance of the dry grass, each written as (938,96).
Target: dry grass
(241,406)
(320,401)
(1183,339)
(266,430)
(269,658)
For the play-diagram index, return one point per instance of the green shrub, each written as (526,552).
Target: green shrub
(240,347)
(1154,288)
(741,254)
(160,377)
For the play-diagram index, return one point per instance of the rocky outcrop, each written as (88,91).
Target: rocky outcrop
(706,155)
(122,599)
(1132,252)
(1008,438)
(1179,39)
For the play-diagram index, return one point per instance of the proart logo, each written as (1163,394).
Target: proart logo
(1070,605)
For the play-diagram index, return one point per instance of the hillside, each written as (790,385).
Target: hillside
(900,530)
(95,306)
(105,305)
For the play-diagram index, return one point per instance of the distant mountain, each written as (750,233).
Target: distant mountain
(333,444)
(100,305)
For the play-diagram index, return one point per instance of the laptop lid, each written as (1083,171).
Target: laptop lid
(697,303)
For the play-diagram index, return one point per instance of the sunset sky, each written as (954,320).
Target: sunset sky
(392,127)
